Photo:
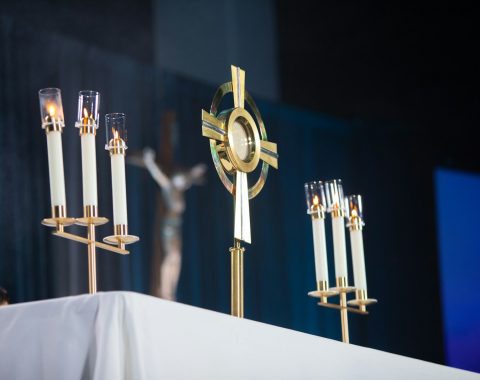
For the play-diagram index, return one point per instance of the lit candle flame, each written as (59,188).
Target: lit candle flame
(115,133)
(85,113)
(354,213)
(315,200)
(51,110)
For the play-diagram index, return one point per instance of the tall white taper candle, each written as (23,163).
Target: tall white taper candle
(358,258)
(119,190)
(339,247)
(55,168)
(89,169)
(320,249)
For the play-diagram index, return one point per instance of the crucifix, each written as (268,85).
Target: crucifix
(173,182)
(237,145)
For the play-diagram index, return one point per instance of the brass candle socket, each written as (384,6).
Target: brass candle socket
(362,301)
(90,216)
(322,292)
(117,146)
(121,237)
(59,218)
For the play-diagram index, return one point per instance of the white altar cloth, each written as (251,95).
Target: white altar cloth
(121,335)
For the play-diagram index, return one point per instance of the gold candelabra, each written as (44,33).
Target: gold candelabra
(328,198)
(237,145)
(87,123)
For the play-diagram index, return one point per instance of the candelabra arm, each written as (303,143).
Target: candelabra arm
(335,306)
(60,233)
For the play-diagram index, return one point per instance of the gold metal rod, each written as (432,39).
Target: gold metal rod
(344,317)
(237,280)
(92,263)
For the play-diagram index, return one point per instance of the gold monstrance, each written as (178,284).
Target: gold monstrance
(237,146)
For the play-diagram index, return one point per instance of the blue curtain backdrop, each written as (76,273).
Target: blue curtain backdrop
(279,267)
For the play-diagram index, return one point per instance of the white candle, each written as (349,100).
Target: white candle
(339,247)
(320,249)
(358,258)
(55,168)
(119,190)
(89,169)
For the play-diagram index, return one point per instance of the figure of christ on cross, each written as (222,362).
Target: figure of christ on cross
(167,255)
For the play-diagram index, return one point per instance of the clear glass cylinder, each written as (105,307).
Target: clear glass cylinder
(116,130)
(315,197)
(334,195)
(51,109)
(88,109)
(354,210)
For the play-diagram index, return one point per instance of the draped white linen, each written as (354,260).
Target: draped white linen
(121,335)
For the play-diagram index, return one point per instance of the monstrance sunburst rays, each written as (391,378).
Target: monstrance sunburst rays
(238,142)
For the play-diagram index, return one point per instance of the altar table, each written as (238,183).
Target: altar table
(122,335)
